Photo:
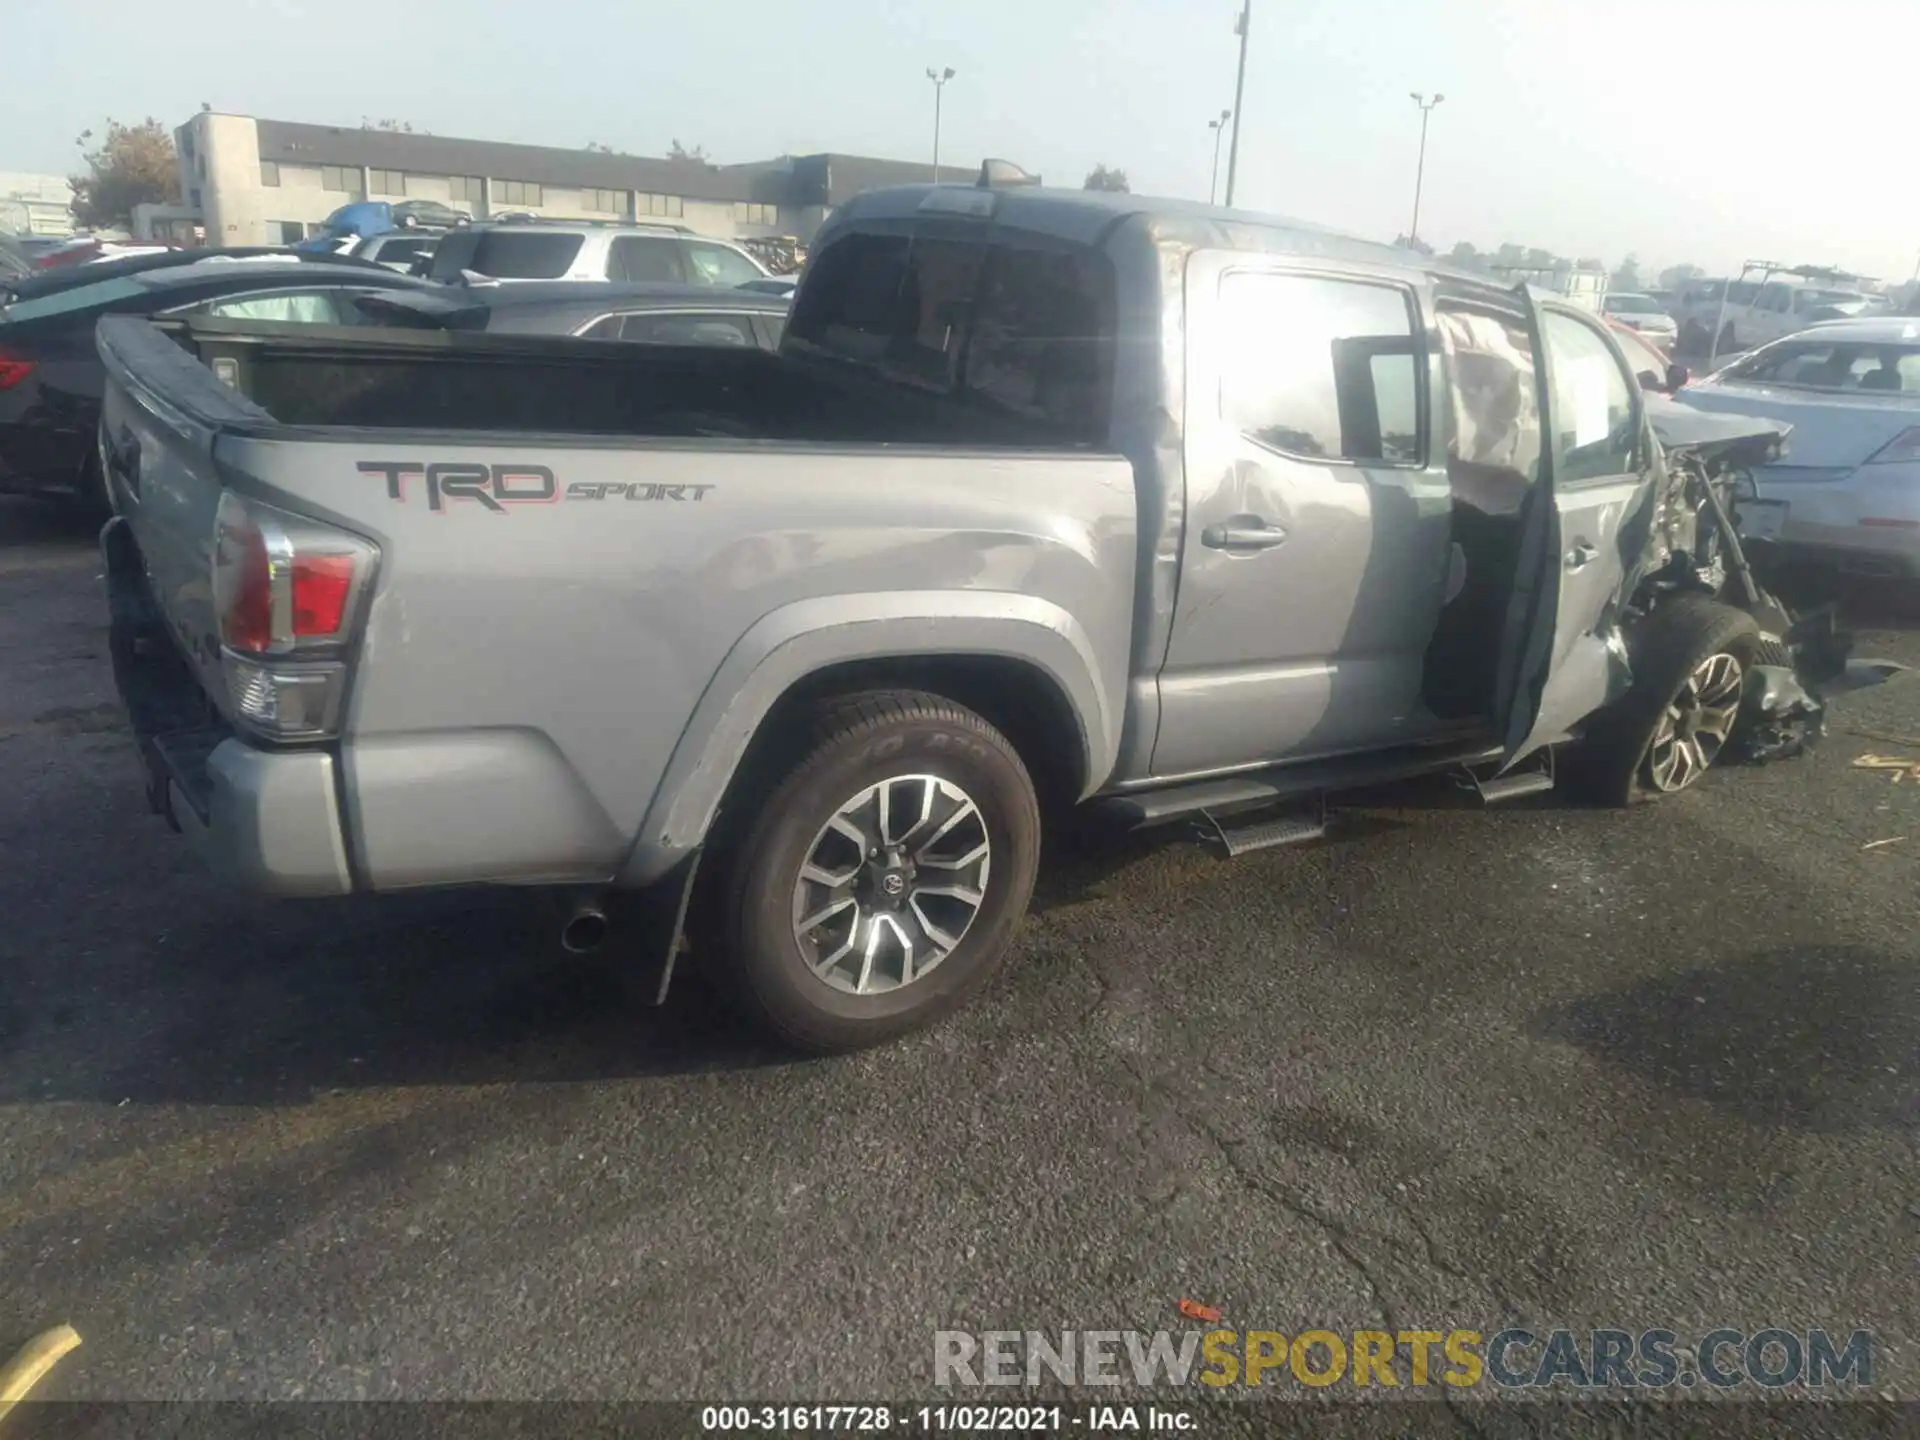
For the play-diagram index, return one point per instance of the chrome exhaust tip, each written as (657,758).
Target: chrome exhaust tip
(584,931)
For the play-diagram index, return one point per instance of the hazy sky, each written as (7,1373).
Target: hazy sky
(1567,125)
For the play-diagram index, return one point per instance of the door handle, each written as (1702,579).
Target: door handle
(1256,536)
(1581,555)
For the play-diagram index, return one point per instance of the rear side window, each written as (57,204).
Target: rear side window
(720,265)
(687,329)
(1595,433)
(1015,330)
(1810,365)
(522,255)
(646,258)
(1322,369)
(1042,344)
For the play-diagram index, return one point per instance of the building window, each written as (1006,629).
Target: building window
(667,206)
(291,231)
(748,213)
(517,192)
(386,182)
(605,202)
(470,188)
(341,179)
(193,197)
(269,173)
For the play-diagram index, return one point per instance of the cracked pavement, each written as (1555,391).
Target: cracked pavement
(1452,1068)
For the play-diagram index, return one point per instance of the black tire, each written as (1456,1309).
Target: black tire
(1610,764)
(852,743)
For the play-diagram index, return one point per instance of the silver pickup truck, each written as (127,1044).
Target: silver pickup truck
(1048,498)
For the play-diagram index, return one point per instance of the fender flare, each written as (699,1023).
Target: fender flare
(789,644)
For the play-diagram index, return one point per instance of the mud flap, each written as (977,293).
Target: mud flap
(653,922)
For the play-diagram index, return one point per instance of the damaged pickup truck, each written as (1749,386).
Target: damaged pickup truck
(1181,513)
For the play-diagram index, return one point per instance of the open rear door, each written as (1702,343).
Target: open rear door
(1561,655)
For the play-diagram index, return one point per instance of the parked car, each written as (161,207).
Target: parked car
(13,257)
(1848,490)
(653,314)
(783,285)
(42,283)
(50,374)
(1757,312)
(365,218)
(590,250)
(1047,493)
(1642,313)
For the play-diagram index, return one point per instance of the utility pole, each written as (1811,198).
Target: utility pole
(1420,172)
(1219,128)
(1241,26)
(940,79)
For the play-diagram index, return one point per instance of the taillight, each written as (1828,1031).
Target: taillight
(1903,448)
(285,589)
(13,370)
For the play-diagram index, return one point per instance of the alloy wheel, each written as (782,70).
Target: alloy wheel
(891,884)
(1695,725)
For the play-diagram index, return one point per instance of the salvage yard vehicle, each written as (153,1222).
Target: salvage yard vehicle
(649,314)
(1179,513)
(1766,303)
(50,372)
(541,249)
(1848,494)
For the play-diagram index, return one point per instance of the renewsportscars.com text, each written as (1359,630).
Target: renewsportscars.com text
(1724,1358)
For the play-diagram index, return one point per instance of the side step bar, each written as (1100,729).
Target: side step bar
(1263,830)
(1534,775)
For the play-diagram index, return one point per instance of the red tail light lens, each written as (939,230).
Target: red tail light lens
(13,370)
(321,584)
(281,583)
(1903,448)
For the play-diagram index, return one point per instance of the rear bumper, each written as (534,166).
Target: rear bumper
(266,820)
(1866,521)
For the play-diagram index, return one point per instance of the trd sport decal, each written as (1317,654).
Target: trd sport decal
(497,486)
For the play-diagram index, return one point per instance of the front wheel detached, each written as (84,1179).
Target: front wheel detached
(881,883)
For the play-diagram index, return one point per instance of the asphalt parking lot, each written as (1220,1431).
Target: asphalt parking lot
(1454,1068)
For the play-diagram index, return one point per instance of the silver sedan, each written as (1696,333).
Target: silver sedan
(1848,488)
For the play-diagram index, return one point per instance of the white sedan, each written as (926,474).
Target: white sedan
(1848,488)
(1642,313)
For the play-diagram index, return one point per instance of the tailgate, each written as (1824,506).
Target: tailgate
(160,414)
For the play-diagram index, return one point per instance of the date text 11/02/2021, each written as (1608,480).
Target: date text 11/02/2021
(947,1419)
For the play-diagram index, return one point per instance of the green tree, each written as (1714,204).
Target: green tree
(1678,277)
(1101,178)
(1627,277)
(1413,243)
(1466,256)
(133,165)
(680,152)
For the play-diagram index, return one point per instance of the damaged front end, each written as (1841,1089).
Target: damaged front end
(1692,545)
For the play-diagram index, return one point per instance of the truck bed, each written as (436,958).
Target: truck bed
(306,375)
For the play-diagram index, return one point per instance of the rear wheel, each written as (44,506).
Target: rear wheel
(881,883)
(1690,663)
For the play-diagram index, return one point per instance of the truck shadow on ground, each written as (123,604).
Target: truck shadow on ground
(1812,1037)
(26,522)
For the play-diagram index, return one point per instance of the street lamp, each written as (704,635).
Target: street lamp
(940,79)
(1219,128)
(1420,173)
(1240,27)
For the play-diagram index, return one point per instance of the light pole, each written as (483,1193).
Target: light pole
(1241,27)
(939,78)
(1420,172)
(1219,128)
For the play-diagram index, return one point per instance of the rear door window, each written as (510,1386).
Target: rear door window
(647,258)
(524,255)
(294,307)
(1321,368)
